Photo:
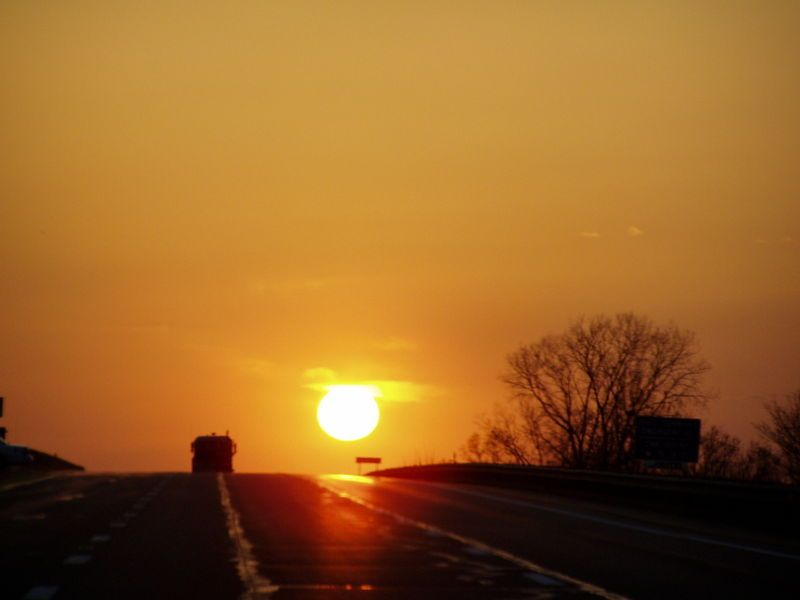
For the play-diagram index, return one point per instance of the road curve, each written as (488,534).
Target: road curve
(253,536)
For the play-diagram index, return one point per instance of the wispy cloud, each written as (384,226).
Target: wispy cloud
(396,344)
(258,367)
(319,375)
(405,391)
(784,240)
(634,231)
(589,234)
(259,287)
(322,379)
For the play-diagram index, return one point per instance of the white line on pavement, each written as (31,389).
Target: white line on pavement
(507,556)
(256,587)
(41,592)
(75,560)
(619,523)
(19,484)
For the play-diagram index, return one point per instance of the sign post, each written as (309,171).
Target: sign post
(666,442)
(360,460)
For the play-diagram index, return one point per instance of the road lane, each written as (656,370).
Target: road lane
(45,523)
(636,560)
(175,545)
(253,537)
(311,543)
(115,536)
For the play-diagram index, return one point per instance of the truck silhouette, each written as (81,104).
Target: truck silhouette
(213,453)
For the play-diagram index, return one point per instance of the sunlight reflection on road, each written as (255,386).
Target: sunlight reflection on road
(350,478)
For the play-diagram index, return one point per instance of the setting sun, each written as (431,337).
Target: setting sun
(348,412)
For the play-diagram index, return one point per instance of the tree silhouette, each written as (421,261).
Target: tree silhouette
(575,395)
(783,431)
(722,456)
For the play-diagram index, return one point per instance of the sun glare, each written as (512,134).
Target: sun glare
(348,412)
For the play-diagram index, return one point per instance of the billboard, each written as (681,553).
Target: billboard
(666,439)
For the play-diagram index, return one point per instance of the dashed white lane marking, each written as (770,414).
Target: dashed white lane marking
(621,524)
(41,592)
(75,560)
(27,482)
(101,538)
(499,553)
(256,587)
(544,579)
(35,517)
(118,524)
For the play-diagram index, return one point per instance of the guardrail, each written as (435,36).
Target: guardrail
(753,505)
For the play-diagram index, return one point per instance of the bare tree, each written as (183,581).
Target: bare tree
(720,455)
(760,463)
(577,394)
(503,434)
(783,431)
(501,439)
(477,450)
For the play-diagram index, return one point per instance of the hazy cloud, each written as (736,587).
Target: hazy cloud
(396,344)
(259,287)
(322,379)
(589,234)
(786,239)
(322,375)
(404,391)
(258,367)
(634,231)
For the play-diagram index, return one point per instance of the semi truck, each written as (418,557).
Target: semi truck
(213,453)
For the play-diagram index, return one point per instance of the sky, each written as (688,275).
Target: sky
(210,210)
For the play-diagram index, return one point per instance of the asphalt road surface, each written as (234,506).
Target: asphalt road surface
(278,536)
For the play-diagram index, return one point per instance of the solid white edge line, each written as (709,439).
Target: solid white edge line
(499,553)
(256,587)
(41,592)
(619,523)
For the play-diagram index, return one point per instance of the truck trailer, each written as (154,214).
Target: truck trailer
(213,454)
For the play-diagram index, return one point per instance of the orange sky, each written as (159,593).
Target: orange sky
(208,208)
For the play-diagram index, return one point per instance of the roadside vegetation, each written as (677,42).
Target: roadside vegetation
(574,397)
(774,457)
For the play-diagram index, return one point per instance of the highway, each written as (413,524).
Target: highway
(254,536)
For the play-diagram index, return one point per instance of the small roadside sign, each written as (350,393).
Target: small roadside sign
(361,460)
(666,439)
